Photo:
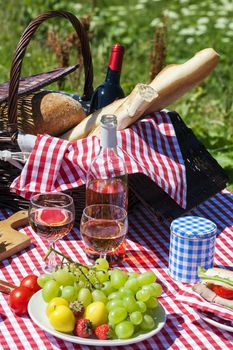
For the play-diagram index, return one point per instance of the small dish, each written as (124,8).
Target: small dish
(217,321)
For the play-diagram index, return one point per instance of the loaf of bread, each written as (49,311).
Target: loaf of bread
(47,112)
(170,84)
(176,79)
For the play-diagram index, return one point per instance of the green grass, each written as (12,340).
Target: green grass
(191,26)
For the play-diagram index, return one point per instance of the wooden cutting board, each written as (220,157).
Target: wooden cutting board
(11,240)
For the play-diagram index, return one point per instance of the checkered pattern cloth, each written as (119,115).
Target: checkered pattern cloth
(188,296)
(192,244)
(150,147)
(147,249)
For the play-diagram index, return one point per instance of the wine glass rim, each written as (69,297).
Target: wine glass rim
(105,205)
(35,196)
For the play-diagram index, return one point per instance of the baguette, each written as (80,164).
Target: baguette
(176,79)
(132,107)
(170,84)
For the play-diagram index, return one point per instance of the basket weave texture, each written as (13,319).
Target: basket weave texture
(204,175)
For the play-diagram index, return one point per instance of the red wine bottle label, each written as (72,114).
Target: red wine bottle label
(116,58)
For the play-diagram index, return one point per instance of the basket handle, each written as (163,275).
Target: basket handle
(19,54)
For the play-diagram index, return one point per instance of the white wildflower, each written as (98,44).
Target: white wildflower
(78,6)
(190,40)
(188,31)
(230,25)
(155,22)
(186,11)
(139,7)
(201,29)
(221,23)
(225,40)
(203,20)
(170,14)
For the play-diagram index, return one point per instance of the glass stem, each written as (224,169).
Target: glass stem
(52,261)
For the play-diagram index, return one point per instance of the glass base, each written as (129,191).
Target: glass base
(43,268)
(115,257)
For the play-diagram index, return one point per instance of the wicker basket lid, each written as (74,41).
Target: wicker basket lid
(37,81)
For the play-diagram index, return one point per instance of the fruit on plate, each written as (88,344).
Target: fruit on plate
(102,332)
(83,328)
(77,308)
(97,313)
(54,303)
(62,319)
(106,303)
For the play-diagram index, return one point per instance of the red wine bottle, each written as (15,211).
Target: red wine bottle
(110,90)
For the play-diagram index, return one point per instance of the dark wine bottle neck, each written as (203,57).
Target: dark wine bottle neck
(113,76)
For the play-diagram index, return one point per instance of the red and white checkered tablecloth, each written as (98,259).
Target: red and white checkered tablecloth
(149,146)
(148,245)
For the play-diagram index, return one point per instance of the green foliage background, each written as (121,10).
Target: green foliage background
(191,26)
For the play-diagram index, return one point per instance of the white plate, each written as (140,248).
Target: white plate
(215,323)
(36,310)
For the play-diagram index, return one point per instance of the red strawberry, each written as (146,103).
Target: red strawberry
(102,331)
(83,328)
(77,308)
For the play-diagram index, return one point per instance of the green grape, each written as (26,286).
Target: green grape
(141,306)
(112,304)
(108,288)
(42,279)
(157,289)
(118,278)
(85,296)
(146,278)
(136,317)
(132,284)
(69,293)
(114,295)
(143,295)
(147,323)
(130,304)
(101,264)
(63,277)
(124,330)
(125,292)
(98,295)
(133,274)
(91,275)
(50,290)
(152,303)
(102,276)
(117,315)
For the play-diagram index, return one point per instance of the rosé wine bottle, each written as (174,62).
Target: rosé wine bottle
(107,181)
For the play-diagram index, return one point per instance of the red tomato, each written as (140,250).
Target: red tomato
(19,298)
(223,292)
(30,282)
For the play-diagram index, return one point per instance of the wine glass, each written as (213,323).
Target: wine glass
(51,215)
(103,227)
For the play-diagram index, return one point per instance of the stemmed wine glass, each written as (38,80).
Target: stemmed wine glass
(51,215)
(103,227)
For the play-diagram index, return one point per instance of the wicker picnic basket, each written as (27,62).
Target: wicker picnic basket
(204,175)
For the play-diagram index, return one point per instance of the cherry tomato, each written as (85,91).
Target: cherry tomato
(19,298)
(223,292)
(30,282)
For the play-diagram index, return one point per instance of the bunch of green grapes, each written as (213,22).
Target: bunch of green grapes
(130,298)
